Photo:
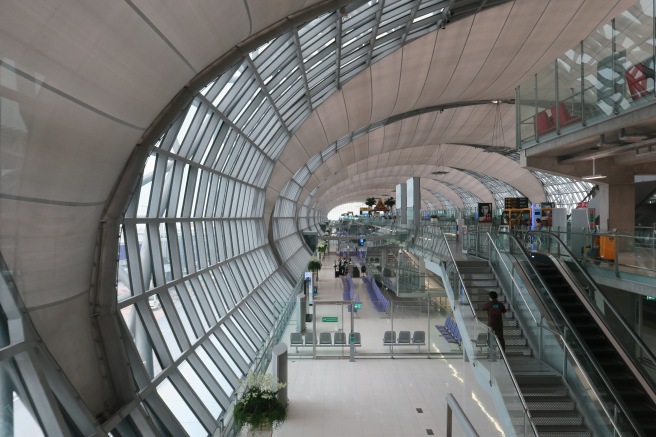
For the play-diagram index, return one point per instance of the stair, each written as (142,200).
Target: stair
(479,279)
(552,410)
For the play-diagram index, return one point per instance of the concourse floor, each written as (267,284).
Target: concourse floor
(380,393)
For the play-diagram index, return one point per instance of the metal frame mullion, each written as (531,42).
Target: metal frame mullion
(258,309)
(171,133)
(234,95)
(189,308)
(249,172)
(156,257)
(193,401)
(142,420)
(249,330)
(217,294)
(157,185)
(242,160)
(173,317)
(201,194)
(207,284)
(217,142)
(175,184)
(189,251)
(267,94)
(210,242)
(228,198)
(242,341)
(189,191)
(212,193)
(253,320)
(174,250)
(164,415)
(213,386)
(204,139)
(291,74)
(219,360)
(151,326)
(193,130)
(139,371)
(43,401)
(203,304)
(233,287)
(231,349)
(230,163)
(133,257)
(244,117)
(234,128)
(201,238)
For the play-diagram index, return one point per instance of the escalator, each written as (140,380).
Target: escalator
(631,395)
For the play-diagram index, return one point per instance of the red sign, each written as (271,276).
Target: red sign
(582,205)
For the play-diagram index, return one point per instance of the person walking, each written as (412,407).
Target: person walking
(495,310)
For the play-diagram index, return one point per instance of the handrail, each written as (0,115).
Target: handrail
(512,278)
(462,282)
(590,384)
(559,335)
(505,359)
(516,384)
(609,305)
(586,349)
(452,405)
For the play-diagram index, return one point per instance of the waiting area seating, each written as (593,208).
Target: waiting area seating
(339,339)
(418,338)
(377,297)
(347,295)
(450,331)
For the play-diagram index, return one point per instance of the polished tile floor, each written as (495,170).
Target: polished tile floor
(377,395)
(382,397)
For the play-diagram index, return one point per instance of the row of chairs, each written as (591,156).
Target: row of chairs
(347,284)
(418,339)
(377,298)
(450,331)
(325,339)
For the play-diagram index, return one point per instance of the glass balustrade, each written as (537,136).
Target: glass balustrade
(608,73)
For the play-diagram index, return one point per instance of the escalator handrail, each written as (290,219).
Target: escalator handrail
(644,349)
(512,278)
(611,389)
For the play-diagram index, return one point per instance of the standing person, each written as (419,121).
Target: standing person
(495,310)
(538,227)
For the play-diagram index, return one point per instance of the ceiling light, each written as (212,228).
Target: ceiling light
(594,174)
(496,102)
(439,172)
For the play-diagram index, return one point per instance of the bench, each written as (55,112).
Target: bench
(450,331)
(325,339)
(418,338)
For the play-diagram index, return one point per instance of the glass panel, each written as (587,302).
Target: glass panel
(179,408)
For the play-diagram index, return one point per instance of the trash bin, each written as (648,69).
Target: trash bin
(607,247)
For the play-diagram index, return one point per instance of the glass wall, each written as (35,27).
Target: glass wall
(608,73)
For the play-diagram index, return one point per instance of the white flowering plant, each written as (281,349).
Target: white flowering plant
(259,406)
(314,264)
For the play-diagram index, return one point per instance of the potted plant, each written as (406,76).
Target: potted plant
(259,410)
(314,265)
(321,247)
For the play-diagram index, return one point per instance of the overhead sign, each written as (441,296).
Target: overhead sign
(329,319)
